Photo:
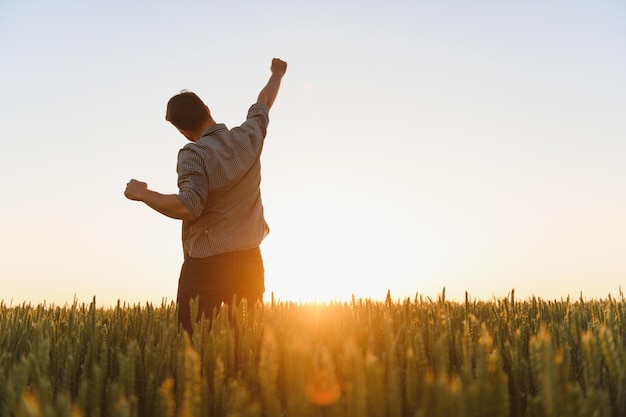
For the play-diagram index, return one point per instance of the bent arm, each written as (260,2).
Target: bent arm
(270,91)
(166,204)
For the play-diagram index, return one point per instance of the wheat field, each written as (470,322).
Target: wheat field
(400,358)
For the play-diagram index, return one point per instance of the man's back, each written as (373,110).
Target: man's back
(225,166)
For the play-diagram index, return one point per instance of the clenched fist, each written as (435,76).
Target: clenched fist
(134,189)
(279,66)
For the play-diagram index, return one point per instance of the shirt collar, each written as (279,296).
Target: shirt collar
(211,129)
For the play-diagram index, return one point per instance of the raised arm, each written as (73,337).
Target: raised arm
(270,91)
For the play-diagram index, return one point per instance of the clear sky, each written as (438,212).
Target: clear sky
(414,145)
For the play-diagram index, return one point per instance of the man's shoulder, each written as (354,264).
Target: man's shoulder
(191,151)
(258,109)
(189,147)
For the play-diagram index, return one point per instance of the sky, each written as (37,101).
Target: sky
(414,145)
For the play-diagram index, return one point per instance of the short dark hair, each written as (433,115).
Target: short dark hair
(186,111)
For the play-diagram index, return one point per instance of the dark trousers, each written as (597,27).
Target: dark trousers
(216,279)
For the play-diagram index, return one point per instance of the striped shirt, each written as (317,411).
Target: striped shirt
(219,178)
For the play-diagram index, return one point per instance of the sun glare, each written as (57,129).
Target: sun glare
(322,253)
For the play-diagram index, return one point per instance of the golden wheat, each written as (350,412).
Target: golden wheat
(411,357)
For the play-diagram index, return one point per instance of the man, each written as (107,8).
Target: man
(219,201)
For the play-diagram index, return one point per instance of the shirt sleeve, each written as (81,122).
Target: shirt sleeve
(193,186)
(256,121)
